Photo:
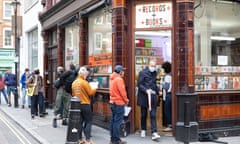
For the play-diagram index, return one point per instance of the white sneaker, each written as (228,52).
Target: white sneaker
(168,129)
(155,136)
(143,133)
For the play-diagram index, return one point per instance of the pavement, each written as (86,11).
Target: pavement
(41,129)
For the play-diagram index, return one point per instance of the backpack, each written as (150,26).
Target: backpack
(68,82)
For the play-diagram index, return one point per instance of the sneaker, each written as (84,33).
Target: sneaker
(32,116)
(59,116)
(168,129)
(155,136)
(143,133)
(54,122)
(22,106)
(9,105)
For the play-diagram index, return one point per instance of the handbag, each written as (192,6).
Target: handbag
(30,90)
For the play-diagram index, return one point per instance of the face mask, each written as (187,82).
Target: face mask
(152,69)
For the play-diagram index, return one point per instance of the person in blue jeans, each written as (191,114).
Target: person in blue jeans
(10,81)
(167,95)
(2,89)
(118,99)
(23,80)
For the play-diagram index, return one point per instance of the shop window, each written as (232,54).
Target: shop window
(100,43)
(217,46)
(72,44)
(33,48)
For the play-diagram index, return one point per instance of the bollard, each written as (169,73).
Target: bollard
(186,126)
(74,121)
(15,97)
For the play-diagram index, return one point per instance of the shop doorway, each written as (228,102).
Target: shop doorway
(51,75)
(152,45)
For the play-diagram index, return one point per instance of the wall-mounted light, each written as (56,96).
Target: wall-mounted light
(221,38)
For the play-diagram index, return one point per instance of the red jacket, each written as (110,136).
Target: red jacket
(118,94)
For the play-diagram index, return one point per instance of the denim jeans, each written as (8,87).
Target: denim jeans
(24,97)
(116,121)
(85,121)
(4,94)
(10,89)
(144,112)
(168,109)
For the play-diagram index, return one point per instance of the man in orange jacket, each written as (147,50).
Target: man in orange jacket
(118,99)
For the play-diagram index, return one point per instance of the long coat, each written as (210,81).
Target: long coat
(146,80)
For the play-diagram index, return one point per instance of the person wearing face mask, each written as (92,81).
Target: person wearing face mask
(147,98)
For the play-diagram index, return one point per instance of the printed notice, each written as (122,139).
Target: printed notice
(222,60)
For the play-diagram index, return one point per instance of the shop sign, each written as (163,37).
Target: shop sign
(154,15)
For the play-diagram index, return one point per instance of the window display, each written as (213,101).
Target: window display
(217,46)
(100,42)
(151,45)
(72,44)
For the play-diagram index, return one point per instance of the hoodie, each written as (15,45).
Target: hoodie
(118,94)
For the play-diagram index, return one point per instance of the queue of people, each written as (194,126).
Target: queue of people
(76,82)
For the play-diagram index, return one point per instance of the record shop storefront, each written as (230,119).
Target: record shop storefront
(130,33)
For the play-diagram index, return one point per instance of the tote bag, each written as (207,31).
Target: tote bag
(30,91)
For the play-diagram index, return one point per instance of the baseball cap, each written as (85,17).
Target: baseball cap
(119,68)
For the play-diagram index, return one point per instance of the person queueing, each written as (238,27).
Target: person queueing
(23,80)
(37,98)
(82,89)
(147,93)
(62,99)
(2,89)
(10,82)
(118,99)
(167,95)
(68,77)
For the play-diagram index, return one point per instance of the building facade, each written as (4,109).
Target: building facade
(32,44)
(103,33)
(7,50)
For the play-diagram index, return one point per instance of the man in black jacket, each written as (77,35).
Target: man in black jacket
(68,77)
(147,98)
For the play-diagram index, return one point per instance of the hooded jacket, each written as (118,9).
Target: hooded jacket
(118,94)
(82,89)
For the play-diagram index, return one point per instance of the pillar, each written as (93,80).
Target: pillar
(83,41)
(186,129)
(60,37)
